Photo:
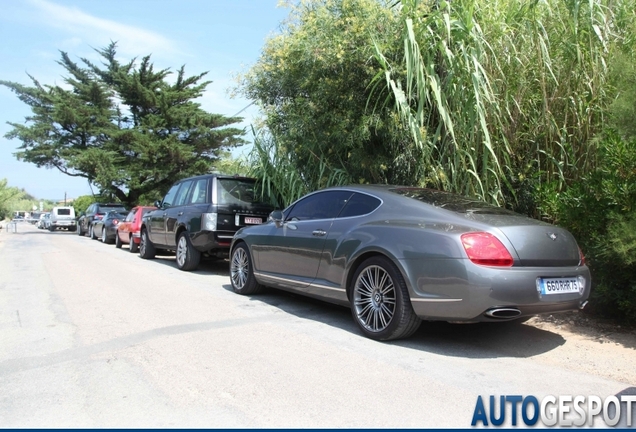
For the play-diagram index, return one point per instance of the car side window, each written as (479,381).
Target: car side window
(321,205)
(182,195)
(199,192)
(168,200)
(359,204)
(131,216)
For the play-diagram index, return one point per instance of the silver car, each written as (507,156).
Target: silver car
(399,255)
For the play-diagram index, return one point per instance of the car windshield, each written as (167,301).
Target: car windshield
(241,191)
(452,202)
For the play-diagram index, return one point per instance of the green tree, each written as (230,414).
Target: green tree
(8,197)
(124,127)
(312,82)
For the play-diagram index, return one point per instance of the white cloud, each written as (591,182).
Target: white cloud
(98,32)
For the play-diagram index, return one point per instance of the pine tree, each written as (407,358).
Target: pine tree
(125,127)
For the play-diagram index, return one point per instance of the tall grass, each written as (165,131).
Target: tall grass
(498,90)
(272,164)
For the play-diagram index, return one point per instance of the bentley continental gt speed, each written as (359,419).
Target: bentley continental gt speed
(398,255)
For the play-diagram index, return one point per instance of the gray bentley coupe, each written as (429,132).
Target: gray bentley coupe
(398,255)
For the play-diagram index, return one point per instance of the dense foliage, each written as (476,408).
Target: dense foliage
(524,104)
(124,127)
(313,82)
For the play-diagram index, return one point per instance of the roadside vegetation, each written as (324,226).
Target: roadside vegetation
(528,105)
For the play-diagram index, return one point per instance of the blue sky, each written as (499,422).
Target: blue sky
(223,37)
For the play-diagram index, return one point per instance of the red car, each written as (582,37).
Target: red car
(128,230)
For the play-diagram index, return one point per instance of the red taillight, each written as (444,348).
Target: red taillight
(115,221)
(98,216)
(581,258)
(485,249)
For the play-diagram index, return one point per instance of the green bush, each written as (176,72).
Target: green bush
(600,210)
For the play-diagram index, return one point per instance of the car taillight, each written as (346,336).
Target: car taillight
(115,221)
(581,258)
(98,216)
(485,249)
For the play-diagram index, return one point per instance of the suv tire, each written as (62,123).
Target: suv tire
(188,257)
(146,248)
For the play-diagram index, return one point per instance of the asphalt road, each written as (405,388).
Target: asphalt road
(94,336)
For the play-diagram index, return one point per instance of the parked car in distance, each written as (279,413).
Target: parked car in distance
(62,217)
(199,216)
(399,255)
(128,230)
(106,228)
(95,212)
(42,220)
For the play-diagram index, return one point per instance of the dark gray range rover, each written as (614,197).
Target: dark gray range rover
(199,216)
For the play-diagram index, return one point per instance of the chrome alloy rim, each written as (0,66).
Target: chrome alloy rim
(182,250)
(142,246)
(104,235)
(374,298)
(239,268)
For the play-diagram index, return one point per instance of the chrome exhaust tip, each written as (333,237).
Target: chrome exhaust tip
(582,305)
(503,313)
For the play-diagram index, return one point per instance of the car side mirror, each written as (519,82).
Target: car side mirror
(157,204)
(277,217)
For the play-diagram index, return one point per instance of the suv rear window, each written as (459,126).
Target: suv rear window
(63,212)
(240,191)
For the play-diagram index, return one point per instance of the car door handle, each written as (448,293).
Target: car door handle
(319,233)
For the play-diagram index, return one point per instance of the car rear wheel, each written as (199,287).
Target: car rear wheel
(242,272)
(147,250)
(188,257)
(117,240)
(380,302)
(79,230)
(133,247)
(91,232)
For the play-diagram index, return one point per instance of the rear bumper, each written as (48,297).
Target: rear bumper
(458,290)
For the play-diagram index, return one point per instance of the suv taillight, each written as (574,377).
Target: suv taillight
(485,249)
(209,221)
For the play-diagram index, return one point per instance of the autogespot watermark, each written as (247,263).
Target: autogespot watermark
(563,410)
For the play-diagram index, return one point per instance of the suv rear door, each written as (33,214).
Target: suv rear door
(173,215)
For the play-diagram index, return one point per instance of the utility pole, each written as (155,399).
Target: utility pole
(64,199)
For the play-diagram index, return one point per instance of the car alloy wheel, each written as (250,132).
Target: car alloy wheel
(104,235)
(380,301)
(240,268)
(132,246)
(187,256)
(146,248)
(117,240)
(91,232)
(242,273)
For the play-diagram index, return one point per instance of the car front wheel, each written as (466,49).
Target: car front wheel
(242,272)
(187,256)
(146,248)
(91,232)
(117,240)
(380,301)
(105,239)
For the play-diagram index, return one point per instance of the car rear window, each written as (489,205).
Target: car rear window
(107,208)
(63,212)
(240,191)
(451,201)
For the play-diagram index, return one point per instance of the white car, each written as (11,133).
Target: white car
(43,219)
(62,217)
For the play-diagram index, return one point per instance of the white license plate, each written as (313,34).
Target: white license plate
(550,286)
(253,221)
